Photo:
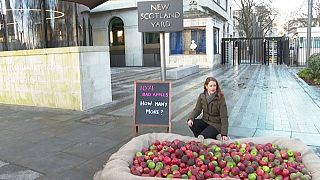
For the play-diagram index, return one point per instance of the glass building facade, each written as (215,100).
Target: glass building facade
(180,41)
(36,24)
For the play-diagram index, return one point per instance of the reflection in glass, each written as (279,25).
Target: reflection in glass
(151,38)
(37,24)
(180,41)
(116,33)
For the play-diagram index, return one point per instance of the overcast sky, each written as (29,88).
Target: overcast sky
(288,9)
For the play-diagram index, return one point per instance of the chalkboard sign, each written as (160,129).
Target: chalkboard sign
(152,104)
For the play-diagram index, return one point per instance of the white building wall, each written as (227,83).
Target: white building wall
(302,32)
(133,38)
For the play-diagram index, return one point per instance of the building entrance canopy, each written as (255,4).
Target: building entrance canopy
(89,3)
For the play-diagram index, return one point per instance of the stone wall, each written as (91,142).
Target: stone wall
(75,78)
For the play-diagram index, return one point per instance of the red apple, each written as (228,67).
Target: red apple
(222,163)
(285,173)
(259,172)
(235,171)
(167,160)
(208,174)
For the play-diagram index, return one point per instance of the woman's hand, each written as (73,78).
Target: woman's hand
(190,123)
(224,138)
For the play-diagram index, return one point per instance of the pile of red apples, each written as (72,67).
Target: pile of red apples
(196,160)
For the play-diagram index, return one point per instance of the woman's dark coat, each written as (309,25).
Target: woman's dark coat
(215,113)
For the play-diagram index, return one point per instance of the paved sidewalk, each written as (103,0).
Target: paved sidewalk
(43,143)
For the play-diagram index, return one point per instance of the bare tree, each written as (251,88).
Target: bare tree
(255,16)
(316,7)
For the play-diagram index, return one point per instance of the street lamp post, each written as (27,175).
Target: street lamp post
(254,34)
(309,30)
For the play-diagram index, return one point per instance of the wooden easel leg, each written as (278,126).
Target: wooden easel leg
(134,131)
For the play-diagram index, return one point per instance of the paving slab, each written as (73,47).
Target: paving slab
(241,132)
(308,139)
(271,133)
(9,171)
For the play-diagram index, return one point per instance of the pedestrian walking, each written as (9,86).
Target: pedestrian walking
(212,104)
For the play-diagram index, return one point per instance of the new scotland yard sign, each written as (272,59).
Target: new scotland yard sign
(160,16)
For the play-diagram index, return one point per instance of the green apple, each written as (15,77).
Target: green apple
(215,163)
(265,159)
(291,159)
(157,168)
(170,176)
(217,154)
(217,149)
(276,162)
(266,169)
(290,153)
(217,169)
(252,176)
(165,148)
(293,176)
(237,143)
(242,150)
(211,153)
(184,176)
(151,165)
(274,145)
(149,161)
(174,167)
(138,154)
(236,158)
(230,164)
(189,173)
(160,164)
(253,152)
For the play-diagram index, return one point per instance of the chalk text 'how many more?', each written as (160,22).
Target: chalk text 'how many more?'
(155,103)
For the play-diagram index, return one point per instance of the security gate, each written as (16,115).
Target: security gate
(267,50)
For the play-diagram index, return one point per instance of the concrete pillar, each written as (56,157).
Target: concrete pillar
(133,46)
(209,42)
(100,37)
(167,47)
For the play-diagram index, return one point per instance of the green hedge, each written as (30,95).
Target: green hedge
(314,65)
(305,73)
(312,72)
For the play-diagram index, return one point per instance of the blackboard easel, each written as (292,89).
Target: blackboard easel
(152,105)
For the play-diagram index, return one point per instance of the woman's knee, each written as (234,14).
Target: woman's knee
(210,132)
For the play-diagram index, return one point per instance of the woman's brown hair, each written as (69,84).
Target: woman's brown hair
(219,92)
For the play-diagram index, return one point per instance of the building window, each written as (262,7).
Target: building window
(199,36)
(116,32)
(215,45)
(302,42)
(176,43)
(316,42)
(42,24)
(180,41)
(151,38)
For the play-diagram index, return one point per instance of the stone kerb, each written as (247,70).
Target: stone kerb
(183,71)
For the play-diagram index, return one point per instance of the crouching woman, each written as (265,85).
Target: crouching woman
(215,114)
